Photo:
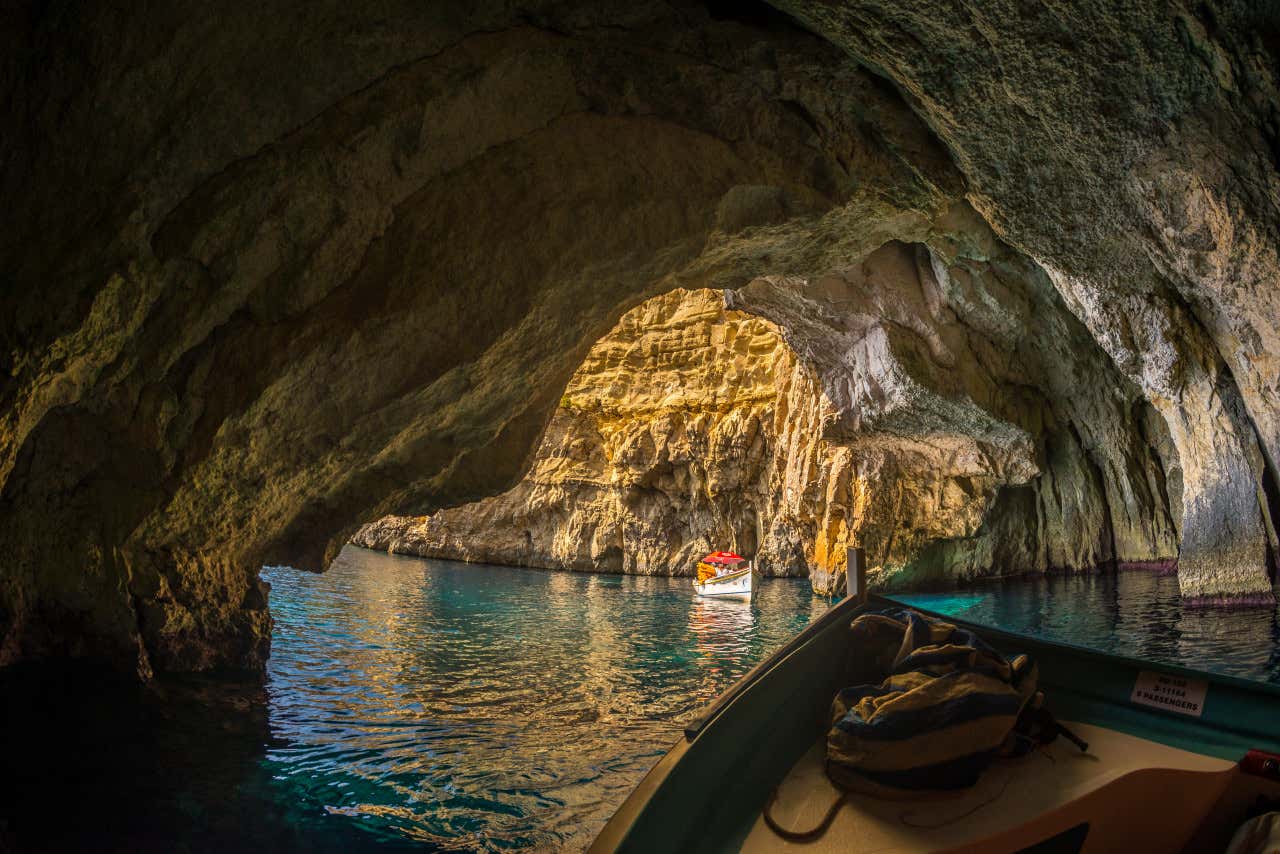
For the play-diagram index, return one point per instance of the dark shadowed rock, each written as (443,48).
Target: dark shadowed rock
(272,272)
(267,285)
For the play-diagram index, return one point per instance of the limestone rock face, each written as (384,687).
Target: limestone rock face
(920,350)
(664,444)
(1131,150)
(813,416)
(271,272)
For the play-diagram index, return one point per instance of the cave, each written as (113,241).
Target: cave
(280,277)
(791,419)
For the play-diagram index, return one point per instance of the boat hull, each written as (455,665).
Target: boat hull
(733,584)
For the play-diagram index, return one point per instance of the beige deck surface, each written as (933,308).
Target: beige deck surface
(1010,793)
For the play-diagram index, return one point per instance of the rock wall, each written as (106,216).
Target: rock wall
(666,441)
(270,272)
(813,416)
(1131,149)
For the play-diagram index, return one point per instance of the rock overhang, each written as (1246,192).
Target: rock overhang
(353,276)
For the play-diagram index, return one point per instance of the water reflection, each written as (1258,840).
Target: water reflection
(1137,614)
(463,706)
(466,707)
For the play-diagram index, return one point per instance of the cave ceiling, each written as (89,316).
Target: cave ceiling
(272,272)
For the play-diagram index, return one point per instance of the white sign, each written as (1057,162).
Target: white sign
(1172,693)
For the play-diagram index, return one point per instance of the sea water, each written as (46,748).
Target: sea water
(465,706)
(480,707)
(1134,613)
(426,705)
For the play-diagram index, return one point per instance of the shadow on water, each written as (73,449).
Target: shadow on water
(95,763)
(408,704)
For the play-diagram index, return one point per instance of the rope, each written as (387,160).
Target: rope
(801,835)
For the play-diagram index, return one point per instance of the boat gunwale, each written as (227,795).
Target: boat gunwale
(620,824)
(721,579)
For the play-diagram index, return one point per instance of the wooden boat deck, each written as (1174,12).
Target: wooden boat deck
(1153,794)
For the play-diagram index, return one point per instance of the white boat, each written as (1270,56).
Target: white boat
(735,583)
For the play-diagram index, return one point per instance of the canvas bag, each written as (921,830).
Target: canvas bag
(938,705)
(932,705)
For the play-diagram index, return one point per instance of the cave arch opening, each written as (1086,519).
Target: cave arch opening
(255,296)
(905,401)
(365,296)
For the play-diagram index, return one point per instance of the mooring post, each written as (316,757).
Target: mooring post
(855,574)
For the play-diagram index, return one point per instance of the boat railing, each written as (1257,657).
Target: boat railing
(732,575)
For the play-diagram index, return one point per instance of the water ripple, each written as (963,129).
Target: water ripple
(463,707)
(1136,614)
(484,708)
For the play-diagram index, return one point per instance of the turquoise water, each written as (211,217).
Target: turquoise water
(1136,614)
(427,705)
(477,707)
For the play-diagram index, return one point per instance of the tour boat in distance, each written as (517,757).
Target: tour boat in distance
(723,574)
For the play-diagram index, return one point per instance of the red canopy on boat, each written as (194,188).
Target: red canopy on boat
(723,557)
